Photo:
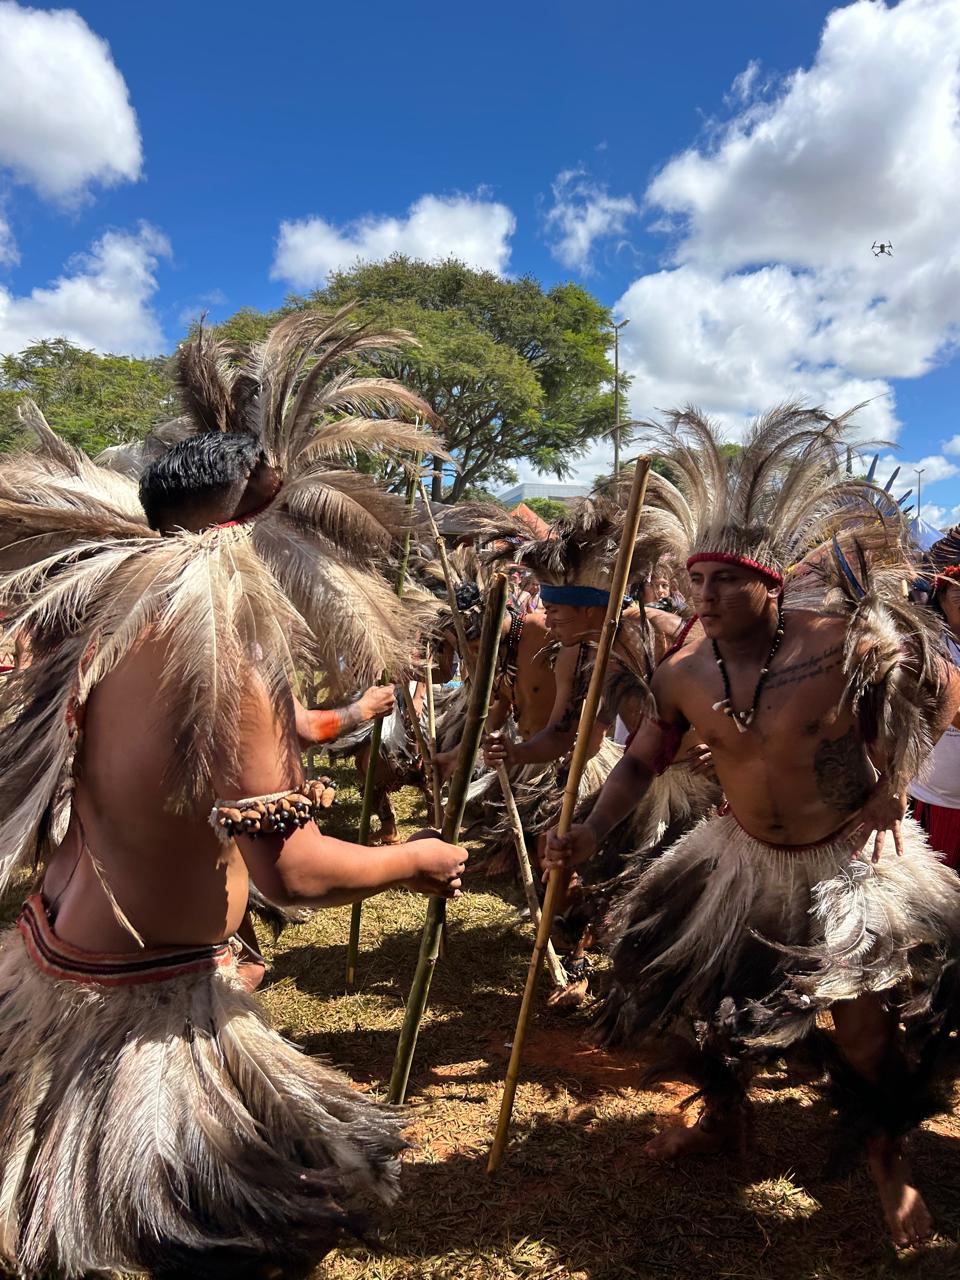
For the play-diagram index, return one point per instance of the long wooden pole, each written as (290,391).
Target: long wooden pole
(370,780)
(432,740)
(558,878)
(447,577)
(482,688)
(558,975)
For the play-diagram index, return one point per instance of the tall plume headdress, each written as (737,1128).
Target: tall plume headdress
(295,589)
(785,506)
(575,563)
(574,566)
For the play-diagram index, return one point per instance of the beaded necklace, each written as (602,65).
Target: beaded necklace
(743,719)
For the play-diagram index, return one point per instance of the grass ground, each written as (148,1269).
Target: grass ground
(575,1198)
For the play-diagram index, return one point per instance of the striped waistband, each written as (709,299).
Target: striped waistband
(58,959)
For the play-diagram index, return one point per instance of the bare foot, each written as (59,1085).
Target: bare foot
(681,1142)
(908,1219)
(250,972)
(571,996)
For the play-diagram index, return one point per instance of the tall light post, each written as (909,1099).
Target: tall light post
(919,472)
(616,395)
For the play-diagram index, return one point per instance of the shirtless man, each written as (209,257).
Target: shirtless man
(137,885)
(142,846)
(797,771)
(575,627)
(525,686)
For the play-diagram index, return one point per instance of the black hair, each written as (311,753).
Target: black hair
(195,471)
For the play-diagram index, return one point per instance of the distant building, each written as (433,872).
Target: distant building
(542,489)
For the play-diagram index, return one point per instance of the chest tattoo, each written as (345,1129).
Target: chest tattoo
(807,669)
(842,773)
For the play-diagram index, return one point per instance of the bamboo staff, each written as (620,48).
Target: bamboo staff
(432,737)
(369,782)
(456,802)
(558,975)
(447,577)
(557,881)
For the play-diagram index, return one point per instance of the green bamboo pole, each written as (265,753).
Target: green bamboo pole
(559,878)
(482,688)
(369,782)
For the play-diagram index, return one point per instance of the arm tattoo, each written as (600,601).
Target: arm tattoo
(842,773)
(808,669)
(564,723)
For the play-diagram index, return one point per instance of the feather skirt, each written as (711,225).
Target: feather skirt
(744,943)
(159,1125)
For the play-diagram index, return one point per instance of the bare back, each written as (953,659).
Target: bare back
(169,873)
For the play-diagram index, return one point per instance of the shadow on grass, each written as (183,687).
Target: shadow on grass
(577,1197)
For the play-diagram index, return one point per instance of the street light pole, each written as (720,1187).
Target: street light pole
(616,395)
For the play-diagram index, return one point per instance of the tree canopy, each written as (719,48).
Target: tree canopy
(92,400)
(513,371)
(548,509)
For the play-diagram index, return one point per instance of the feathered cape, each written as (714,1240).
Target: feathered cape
(297,589)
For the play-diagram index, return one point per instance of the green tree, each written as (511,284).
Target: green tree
(91,400)
(514,372)
(548,509)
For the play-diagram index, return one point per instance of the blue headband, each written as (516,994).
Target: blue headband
(579,597)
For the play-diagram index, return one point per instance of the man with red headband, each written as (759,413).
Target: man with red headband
(818,696)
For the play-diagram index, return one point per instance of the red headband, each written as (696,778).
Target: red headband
(724,557)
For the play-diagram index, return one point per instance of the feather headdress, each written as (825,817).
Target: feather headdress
(297,589)
(942,561)
(471,569)
(785,506)
(766,503)
(575,563)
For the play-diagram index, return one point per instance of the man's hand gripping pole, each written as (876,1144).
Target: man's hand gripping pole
(588,715)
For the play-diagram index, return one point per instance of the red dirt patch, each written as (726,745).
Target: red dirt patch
(561,1050)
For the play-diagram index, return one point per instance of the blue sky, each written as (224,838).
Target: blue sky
(716,173)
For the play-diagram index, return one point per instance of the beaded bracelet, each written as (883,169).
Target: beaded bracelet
(279,814)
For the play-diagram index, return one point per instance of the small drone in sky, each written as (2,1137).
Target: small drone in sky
(881,248)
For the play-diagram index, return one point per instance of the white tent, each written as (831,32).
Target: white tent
(923,533)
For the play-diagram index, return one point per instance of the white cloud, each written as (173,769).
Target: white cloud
(471,228)
(934,467)
(734,345)
(772,291)
(101,301)
(65,116)
(582,213)
(745,84)
(8,246)
(862,146)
